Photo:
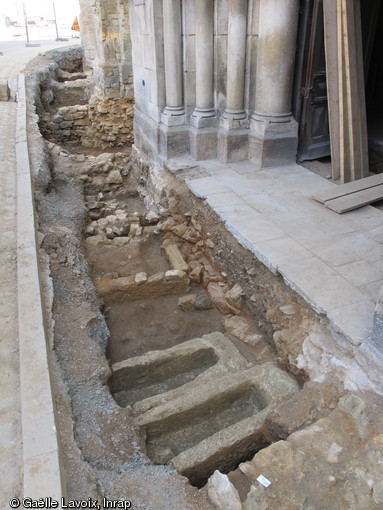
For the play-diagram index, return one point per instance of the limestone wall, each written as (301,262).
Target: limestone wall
(105,35)
(211,78)
(71,112)
(102,123)
(148,58)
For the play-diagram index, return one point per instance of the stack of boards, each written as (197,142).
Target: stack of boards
(352,195)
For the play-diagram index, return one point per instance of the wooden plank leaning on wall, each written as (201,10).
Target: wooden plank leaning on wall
(345,87)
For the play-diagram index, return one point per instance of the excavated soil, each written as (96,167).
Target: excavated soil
(104,452)
(105,224)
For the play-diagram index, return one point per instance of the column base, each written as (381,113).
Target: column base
(173,140)
(202,118)
(233,144)
(173,116)
(234,119)
(273,140)
(203,143)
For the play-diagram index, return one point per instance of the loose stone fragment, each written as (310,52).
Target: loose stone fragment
(242,329)
(196,225)
(120,241)
(235,296)
(176,274)
(191,235)
(89,230)
(195,274)
(152,218)
(203,302)
(187,302)
(134,230)
(114,177)
(179,230)
(288,310)
(166,225)
(217,295)
(141,278)
(175,258)
(222,492)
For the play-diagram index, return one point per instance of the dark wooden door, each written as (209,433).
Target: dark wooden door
(310,96)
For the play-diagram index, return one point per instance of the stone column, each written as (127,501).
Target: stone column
(174,112)
(203,135)
(273,137)
(173,132)
(233,134)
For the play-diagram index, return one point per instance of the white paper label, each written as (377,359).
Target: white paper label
(264,481)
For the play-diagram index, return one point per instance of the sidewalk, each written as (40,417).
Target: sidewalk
(14,58)
(335,262)
(10,426)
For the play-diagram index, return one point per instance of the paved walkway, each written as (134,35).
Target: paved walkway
(15,56)
(10,428)
(335,262)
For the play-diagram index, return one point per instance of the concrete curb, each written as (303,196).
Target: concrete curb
(42,473)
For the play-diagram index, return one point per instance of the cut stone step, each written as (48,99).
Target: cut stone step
(141,286)
(218,425)
(148,380)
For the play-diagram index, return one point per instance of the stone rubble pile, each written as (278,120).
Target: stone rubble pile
(187,248)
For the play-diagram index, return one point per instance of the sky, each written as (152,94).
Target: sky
(65,9)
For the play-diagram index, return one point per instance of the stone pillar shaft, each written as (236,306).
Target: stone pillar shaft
(204,27)
(203,133)
(273,137)
(278,21)
(236,54)
(233,132)
(173,57)
(173,137)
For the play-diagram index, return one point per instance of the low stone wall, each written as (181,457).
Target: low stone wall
(72,112)
(102,123)
(111,123)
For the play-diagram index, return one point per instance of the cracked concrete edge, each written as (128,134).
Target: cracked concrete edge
(42,475)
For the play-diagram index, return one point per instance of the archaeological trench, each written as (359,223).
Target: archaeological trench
(179,363)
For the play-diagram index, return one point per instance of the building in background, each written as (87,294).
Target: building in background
(245,79)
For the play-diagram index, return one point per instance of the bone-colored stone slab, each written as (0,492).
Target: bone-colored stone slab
(320,285)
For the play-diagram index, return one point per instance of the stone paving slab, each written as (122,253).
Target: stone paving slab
(320,285)
(279,252)
(354,320)
(334,262)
